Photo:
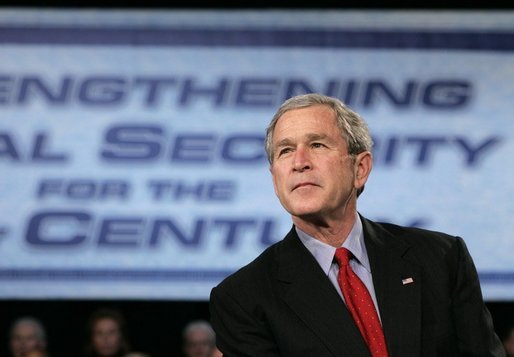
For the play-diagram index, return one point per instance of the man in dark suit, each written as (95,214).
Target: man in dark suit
(420,285)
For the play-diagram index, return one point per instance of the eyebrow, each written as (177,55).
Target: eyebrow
(310,137)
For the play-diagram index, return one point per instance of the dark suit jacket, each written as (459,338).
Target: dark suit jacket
(282,304)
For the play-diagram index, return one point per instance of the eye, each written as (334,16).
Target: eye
(284,151)
(317,145)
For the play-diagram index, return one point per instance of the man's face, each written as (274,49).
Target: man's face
(313,175)
(106,337)
(198,344)
(24,339)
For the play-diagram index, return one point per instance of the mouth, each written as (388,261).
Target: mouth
(303,184)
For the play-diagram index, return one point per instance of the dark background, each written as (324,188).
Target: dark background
(155,327)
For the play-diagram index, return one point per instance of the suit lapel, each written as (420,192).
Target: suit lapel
(399,300)
(309,293)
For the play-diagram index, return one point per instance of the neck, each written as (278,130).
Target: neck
(332,232)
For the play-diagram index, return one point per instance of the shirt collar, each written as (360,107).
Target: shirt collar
(324,253)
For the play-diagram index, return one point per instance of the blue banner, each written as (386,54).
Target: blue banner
(131,143)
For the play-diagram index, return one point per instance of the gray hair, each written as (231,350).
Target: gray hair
(354,129)
(202,326)
(33,322)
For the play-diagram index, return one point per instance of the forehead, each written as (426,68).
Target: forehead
(310,120)
(25,328)
(105,323)
(198,333)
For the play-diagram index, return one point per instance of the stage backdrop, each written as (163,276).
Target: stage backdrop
(131,142)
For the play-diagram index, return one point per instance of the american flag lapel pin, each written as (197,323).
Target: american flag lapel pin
(407,281)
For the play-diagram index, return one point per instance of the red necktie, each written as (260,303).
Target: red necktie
(359,303)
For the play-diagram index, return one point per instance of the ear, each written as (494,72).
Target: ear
(273,179)
(363,165)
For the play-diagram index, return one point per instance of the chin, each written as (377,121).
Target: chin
(305,211)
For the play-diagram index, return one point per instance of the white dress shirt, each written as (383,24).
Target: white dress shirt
(324,255)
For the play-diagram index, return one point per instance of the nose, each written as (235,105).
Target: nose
(302,160)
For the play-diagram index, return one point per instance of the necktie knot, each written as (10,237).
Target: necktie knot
(342,256)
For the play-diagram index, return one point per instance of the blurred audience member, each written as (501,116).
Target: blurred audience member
(508,342)
(216,353)
(106,332)
(27,335)
(199,339)
(36,353)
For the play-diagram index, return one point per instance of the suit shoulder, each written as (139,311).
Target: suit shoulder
(419,237)
(439,253)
